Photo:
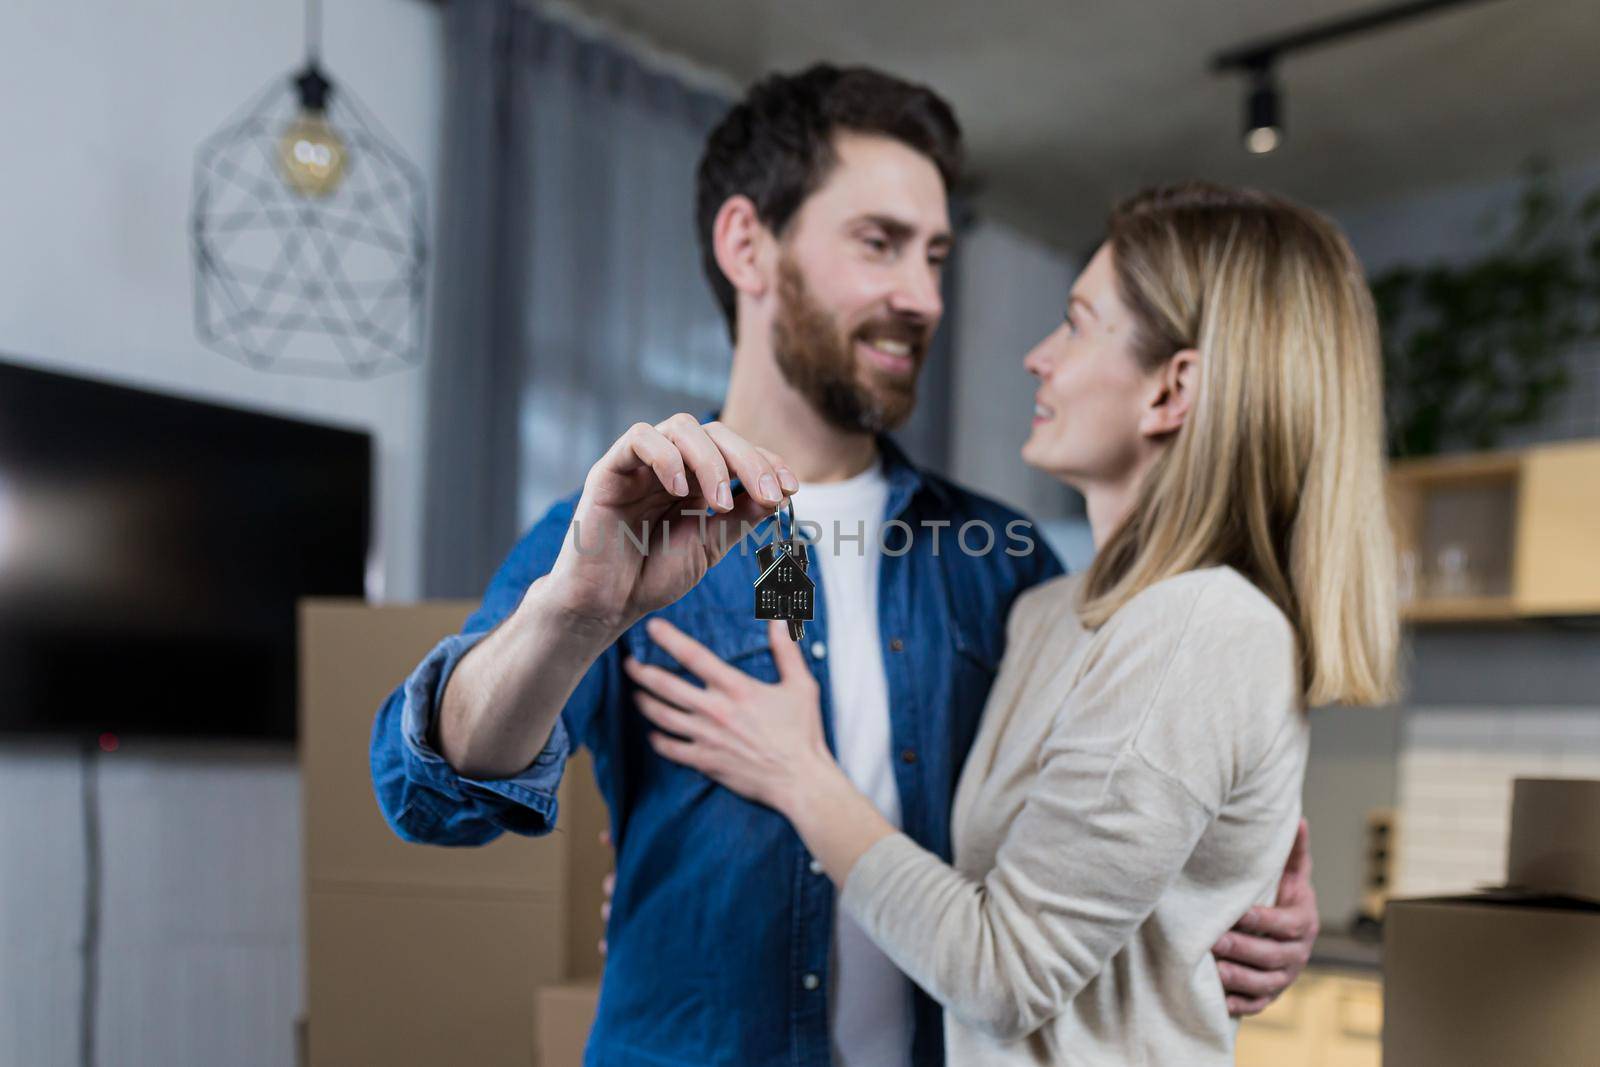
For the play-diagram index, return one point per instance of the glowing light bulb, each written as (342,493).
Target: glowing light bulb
(310,151)
(1263,115)
(312,155)
(1263,139)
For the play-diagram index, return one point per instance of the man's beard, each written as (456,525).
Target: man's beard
(818,361)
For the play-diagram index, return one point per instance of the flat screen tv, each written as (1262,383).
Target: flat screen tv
(152,550)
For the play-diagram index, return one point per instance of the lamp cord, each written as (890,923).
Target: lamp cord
(313,29)
(91,905)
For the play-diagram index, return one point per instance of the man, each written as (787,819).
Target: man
(823,226)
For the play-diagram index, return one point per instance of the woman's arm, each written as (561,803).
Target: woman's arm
(1099,840)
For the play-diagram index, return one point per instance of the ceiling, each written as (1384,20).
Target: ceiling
(1066,105)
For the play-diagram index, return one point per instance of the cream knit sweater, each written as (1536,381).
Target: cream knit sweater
(1131,792)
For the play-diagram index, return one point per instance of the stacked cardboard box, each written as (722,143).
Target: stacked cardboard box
(1508,976)
(417,954)
(564,1013)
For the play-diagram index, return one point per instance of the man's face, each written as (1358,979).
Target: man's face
(858,284)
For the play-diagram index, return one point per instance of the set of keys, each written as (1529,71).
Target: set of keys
(784,588)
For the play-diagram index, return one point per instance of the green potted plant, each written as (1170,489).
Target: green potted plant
(1476,348)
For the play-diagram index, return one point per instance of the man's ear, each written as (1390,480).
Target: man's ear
(1173,394)
(737,235)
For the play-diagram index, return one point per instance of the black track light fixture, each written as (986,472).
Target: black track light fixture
(1263,107)
(1263,114)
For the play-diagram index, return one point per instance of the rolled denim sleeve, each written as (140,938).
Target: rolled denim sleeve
(422,797)
(534,789)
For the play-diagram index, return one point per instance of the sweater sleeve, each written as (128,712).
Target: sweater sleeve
(1142,754)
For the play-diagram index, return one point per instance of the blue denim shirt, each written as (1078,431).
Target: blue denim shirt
(720,931)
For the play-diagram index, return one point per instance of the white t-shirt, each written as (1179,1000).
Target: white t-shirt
(869,999)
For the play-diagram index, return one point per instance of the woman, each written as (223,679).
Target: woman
(1135,785)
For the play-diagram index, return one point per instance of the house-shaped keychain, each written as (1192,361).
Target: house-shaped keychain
(784,589)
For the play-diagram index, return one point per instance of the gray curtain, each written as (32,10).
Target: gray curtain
(569,300)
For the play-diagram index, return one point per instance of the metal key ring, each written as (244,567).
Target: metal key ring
(797,628)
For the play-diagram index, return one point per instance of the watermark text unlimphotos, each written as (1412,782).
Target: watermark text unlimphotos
(895,537)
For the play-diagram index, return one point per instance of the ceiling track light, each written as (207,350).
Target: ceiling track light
(1263,115)
(1263,105)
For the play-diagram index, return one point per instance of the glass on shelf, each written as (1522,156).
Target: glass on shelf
(1452,573)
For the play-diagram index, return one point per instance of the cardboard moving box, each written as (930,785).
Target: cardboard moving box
(1555,837)
(1491,981)
(565,1012)
(417,954)
(406,977)
(1508,976)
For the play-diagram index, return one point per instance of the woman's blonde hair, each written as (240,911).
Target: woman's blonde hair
(1278,471)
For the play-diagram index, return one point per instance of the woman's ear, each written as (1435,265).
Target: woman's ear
(736,239)
(1173,396)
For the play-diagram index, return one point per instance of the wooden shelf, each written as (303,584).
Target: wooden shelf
(1465,469)
(1525,521)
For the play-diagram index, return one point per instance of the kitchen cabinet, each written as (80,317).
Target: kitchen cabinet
(1499,536)
(1329,1018)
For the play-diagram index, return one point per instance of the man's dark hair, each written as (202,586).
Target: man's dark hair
(776,145)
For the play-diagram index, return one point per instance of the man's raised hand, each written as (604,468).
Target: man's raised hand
(653,488)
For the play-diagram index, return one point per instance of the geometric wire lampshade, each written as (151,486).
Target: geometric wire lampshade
(315,275)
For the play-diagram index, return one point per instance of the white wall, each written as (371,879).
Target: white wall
(104,104)
(1011,291)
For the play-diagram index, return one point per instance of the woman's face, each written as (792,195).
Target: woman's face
(1090,418)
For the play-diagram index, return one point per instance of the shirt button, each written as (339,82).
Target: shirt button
(816,866)
(818,650)
(908,756)
(896,645)
(811,981)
